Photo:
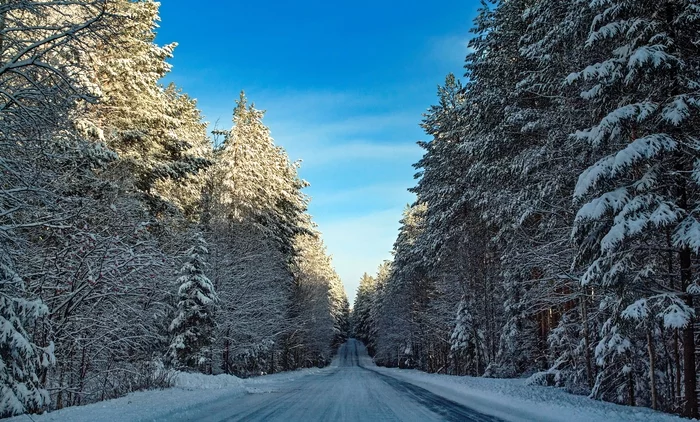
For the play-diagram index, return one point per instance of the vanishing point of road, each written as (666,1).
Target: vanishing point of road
(349,391)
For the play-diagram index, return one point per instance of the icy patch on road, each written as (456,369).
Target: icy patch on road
(514,400)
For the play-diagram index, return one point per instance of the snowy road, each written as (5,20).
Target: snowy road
(351,391)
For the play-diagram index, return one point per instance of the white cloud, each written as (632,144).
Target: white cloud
(393,193)
(297,108)
(333,129)
(361,143)
(294,104)
(323,140)
(322,155)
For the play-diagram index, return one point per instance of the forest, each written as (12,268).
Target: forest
(131,244)
(555,233)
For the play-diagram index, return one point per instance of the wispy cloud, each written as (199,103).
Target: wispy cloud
(324,155)
(312,104)
(357,150)
(359,244)
(296,106)
(393,193)
(450,50)
(345,135)
(341,126)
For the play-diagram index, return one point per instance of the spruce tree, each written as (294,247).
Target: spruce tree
(639,198)
(467,342)
(22,361)
(193,325)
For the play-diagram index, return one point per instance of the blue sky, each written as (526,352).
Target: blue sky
(344,85)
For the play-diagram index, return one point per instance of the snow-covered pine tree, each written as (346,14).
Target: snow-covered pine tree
(455,243)
(404,295)
(254,210)
(377,300)
(22,361)
(447,233)
(539,242)
(467,342)
(106,261)
(187,155)
(90,227)
(157,132)
(317,309)
(361,319)
(42,48)
(439,171)
(637,224)
(259,183)
(193,325)
(340,310)
(504,141)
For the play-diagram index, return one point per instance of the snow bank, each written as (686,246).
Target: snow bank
(509,399)
(513,400)
(206,382)
(138,406)
(190,390)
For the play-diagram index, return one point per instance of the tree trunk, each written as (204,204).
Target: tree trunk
(677,359)
(630,388)
(685,262)
(226,354)
(652,369)
(586,341)
(689,375)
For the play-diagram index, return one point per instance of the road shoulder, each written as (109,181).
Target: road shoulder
(513,400)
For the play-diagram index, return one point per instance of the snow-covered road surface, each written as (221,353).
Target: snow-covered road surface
(353,388)
(350,391)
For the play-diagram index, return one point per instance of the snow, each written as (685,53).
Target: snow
(654,54)
(676,317)
(199,381)
(190,390)
(609,126)
(352,386)
(644,148)
(515,400)
(688,233)
(596,208)
(637,310)
(677,111)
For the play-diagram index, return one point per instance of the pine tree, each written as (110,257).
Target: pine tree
(254,210)
(403,311)
(605,90)
(22,361)
(467,342)
(641,78)
(361,310)
(43,84)
(313,329)
(340,310)
(193,325)
(157,131)
(249,160)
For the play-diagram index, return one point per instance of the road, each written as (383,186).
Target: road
(349,391)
